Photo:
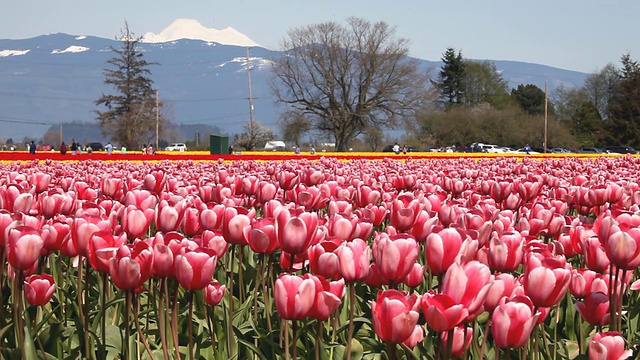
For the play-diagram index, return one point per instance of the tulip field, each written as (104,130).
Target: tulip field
(320,257)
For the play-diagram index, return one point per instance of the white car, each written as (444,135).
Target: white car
(176,147)
(494,149)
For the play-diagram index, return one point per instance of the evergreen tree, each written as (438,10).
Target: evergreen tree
(624,105)
(530,98)
(451,78)
(130,117)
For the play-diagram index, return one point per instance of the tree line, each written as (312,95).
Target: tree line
(349,83)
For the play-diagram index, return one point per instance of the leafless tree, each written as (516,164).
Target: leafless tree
(347,78)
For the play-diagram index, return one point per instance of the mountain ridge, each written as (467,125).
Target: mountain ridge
(52,79)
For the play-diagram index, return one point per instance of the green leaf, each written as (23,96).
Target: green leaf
(253,348)
(29,348)
(357,351)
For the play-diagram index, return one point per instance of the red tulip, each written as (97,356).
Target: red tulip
(215,241)
(38,289)
(441,312)
(131,266)
(214,292)
(395,256)
(24,246)
(353,259)
(211,217)
(266,191)
(194,268)
(191,222)
(294,296)
(163,261)
(503,284)
(416,337)
(608,346)
(40,181)
(512,322)
(83,227)
(584,281)
(394,315)
(155,181)
(103,245)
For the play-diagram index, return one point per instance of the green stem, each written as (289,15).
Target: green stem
(17,316)
(103,314)
(190,324)
(449,349)
(230,328)
(83,331)
(352,308)
(391,351)
(127,331)
(240,279)
(295,339)
(318,339)
(162,320)
(174,321)
(621,297)
(287,355)
(87,288)
(140,334)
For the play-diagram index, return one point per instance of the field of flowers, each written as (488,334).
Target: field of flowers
(353,256)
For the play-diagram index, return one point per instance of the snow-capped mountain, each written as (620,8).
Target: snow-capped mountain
(53,79)
(192,29)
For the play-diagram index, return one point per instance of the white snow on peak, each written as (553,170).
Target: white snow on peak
(256,63)
(81,37)
(5,53)
(192,29)
(71,49)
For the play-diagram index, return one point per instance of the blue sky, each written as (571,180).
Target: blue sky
(582,35)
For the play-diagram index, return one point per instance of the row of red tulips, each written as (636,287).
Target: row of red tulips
(496,256)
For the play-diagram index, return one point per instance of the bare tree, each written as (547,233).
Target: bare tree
(346,78)
(253,136)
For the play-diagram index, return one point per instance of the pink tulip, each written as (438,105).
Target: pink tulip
(608,346)
(169,215)
(415,277)
(324,261)
(326,301)
(394,255)
(38,289)
(416,337)
(394,315)
(468,285)
(404,212)
(294,296)
(461,340)
(595,309)
(546,280)
(131,266)
(296,231)
(55,234)
(136,222)
(191,222)
(24,246)
(261,235)
(214,292)
(56,202)
(505,253)
(353,260)
(103,245)
(512,322)
(194,268)
(141,199)
(441,249)
(595,256)
(234,222)
(623,248)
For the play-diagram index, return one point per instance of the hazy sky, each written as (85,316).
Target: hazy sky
(582,35)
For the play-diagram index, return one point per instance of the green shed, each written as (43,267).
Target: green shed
(218,144)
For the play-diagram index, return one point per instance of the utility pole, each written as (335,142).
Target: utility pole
(546,88)
(61,138)
(252,133)
(157,117)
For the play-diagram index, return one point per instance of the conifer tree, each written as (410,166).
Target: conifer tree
(130,115)
(451,78)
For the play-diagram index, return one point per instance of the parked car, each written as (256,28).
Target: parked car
(389,148)
(176,147)
(620,150)
(95,146)
(590,150)
(523,151)
(560,151)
